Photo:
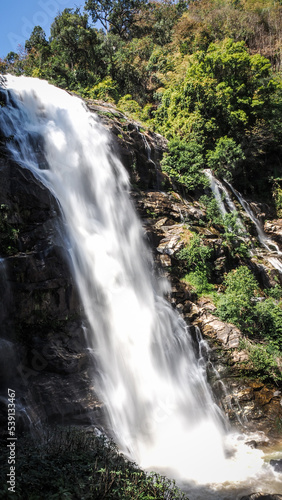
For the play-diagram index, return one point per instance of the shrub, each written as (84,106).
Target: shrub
(199,281)
(264,361)
(106,90)
(235,305)
(198,259)
(197,255)
(232,235)
(213,214)
(75,464)
(127,105)
(225,157)
(184,163)
(268,317)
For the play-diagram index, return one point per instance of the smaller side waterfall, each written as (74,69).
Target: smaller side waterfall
(148,150)
(216,188)
(264,240)
(226,205)
(224,200)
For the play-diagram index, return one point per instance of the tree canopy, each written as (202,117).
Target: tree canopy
(203,72)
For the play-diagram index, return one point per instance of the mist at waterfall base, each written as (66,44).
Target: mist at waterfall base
(160,407)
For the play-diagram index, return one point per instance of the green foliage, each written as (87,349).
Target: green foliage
(268,316)
(259,319)
(275,292)
(213,214)
(106,90)
(235,305)
(117,16)
(184,163)
(225,157)
(8,233)
(81,465)
(37,40)
(199,281)
(265,361)
(233,237)
(198,260)
(277,195)
(197,255)
(127,105)
(226,97)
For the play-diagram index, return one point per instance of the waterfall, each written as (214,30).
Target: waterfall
(160,407)
(222,196)
(264,240)
(148,150)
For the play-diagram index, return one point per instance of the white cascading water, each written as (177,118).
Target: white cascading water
(264,240)
(159,403)
(223,198)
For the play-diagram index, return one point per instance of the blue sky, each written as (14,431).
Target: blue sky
(18,18)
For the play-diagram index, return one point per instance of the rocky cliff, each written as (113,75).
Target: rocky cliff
(43,349)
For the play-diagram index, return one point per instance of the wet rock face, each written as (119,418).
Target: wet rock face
(139,151)
(277,465)
(248,403)
(40,312)
(43,349)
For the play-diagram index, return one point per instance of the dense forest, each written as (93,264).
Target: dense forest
(204,73)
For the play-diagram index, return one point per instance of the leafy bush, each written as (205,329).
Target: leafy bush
(264,361)
(235,305)
(238,305)
(277,195)
(106,90)
(199,281)
(233,238)
(213,214)
(197,255)
(184,163)
(268,317)
(127,105)
(225,157)
(198,260)
(75,464)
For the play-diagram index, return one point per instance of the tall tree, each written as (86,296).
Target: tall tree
(75,47)
(116,16)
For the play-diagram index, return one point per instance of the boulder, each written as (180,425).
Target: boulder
(277,465)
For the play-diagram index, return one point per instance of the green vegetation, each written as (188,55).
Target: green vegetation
(257,313)
(258,317)
(74,464)
(8,233)
(198,261)
(184,163)
(236,304)
(206,74)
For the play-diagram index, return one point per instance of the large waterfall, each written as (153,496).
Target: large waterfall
(160,407)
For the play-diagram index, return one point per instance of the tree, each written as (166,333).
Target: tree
(226,95)
(116,16)
(37,40)
(225,157)
(184,163)
(75,46)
